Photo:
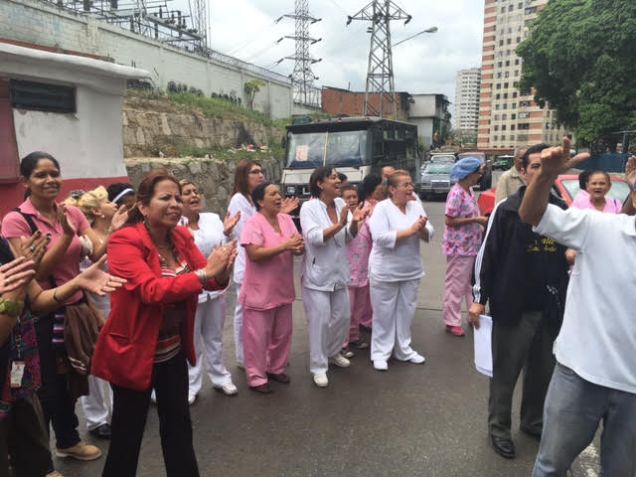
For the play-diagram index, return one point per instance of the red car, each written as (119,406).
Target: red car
(568,187)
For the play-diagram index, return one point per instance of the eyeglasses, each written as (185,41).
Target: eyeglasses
(257,171)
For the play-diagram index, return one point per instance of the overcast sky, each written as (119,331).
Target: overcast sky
(426,64)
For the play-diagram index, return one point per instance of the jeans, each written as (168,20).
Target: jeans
(574,408)
(130,409)
(57,404)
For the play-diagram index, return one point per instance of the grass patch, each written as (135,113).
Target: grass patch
(230,154)
(211,107)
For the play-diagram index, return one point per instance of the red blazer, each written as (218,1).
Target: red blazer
(125,350)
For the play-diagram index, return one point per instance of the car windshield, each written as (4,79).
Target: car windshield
(619,189)
(438,169)
(443,158)
(309,150)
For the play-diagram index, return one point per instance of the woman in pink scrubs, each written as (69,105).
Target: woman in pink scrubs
(270,238)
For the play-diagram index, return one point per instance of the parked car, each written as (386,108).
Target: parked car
(442,157)
(435,179)
(502,163)
(567,186)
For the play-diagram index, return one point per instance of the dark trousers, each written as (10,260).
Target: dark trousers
(57,404)
(524,345)
(23,440)
(130,409)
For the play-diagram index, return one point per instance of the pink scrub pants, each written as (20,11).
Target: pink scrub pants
(361,312)
(457,286)
(267,342)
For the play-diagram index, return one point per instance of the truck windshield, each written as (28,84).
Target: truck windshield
(346,148)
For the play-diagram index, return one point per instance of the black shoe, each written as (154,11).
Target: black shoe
(503,446)
(531,432)
(101,432)
(279,378)
(262,388)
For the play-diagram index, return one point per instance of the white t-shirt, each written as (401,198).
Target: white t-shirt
(598,336)
(390,260)
(209,236)
(325,266)
(239,203)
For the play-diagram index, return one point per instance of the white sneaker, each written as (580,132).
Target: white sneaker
(417,359)
(380,365)
(153,397)
(340,361)
(228,389)
(321,380)
(191,399)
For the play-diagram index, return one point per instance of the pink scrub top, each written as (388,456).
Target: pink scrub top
(270,283)
(582,201)
(15,225)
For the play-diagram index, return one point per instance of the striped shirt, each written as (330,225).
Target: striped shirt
(169,343)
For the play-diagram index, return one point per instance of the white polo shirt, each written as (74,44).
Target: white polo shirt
(598,335)
(325,266)
(390,260)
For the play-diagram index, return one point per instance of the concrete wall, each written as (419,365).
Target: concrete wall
(424,105)
(87,143)
(424,130)
(33,22)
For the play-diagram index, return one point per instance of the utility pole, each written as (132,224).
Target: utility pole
(303,77)
(380,70)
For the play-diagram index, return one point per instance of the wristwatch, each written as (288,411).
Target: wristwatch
(11,307)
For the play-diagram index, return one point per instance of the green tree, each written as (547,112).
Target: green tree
(251,88)
(579,58)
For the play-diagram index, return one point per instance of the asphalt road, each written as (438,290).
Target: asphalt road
(414,420)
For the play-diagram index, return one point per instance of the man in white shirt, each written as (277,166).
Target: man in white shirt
(595,376)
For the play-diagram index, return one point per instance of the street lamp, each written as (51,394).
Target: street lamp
(433,29)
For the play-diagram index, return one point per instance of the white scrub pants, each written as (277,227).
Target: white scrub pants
(208,342)
(328,317)
(393,310)
(238,327)
(98,405)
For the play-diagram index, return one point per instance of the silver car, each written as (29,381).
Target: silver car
(435,179)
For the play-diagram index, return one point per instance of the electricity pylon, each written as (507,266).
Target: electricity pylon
(303,77)
(380,79)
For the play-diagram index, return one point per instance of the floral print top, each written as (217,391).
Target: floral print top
(461,240)
(358,251)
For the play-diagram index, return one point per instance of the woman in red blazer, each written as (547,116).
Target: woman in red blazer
(149,333)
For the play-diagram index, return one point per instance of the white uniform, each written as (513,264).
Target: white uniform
(210,316)
(395,270)
(98,404)
(239,203)
(324,278)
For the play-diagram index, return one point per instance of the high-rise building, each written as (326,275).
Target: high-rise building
(467,100)
(508,117)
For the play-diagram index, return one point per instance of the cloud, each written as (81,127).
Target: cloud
(428,63)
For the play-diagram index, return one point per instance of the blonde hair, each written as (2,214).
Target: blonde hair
(89,201)
(394,177)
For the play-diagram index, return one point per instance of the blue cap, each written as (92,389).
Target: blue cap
(465,167)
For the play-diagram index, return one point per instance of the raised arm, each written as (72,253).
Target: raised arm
(554,161)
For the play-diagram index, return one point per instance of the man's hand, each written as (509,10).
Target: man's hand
(557,160)
(630,171)
(475,311)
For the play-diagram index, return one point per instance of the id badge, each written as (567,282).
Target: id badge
(17,373)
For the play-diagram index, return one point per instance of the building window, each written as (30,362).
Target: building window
(514,94)
(496,107)
(512,128)
(501,42)
(517,61)
(498,85)
(505,105)
(504,117)
(42,97)
(513,116)
(505,85)
(496,128)
(503,128)
(508,63)
(523,126)
(498,95)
